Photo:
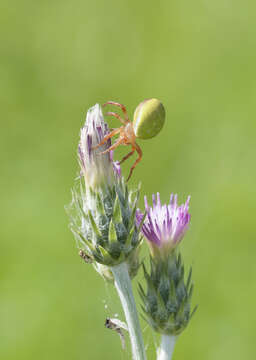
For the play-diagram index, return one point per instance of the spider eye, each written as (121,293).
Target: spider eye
(148,119)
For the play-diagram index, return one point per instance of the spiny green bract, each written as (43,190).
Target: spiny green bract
(148,119)
(167,302)
(103,223)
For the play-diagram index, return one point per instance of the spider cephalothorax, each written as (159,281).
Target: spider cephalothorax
(148,120)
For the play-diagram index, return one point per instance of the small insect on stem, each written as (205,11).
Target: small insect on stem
(117,325)
(85,256)
(148,120)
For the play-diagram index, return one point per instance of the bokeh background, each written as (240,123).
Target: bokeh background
(58,58)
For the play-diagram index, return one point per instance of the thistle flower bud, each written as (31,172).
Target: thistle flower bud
(164,225)
(102,210)
(167,301)
(104,224)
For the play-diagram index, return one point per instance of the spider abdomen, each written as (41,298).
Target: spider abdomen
(148,119)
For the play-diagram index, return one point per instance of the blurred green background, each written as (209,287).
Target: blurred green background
(58,58)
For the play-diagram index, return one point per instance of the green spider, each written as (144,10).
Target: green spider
(148,120)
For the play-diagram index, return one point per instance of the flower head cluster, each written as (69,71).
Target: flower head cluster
(107,225)
(164,225)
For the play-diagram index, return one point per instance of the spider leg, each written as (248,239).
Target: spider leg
(114,146)
(108,136)
(110,113)
(139,151)
(123,108)
(127,156)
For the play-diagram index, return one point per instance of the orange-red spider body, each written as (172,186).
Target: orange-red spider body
(149,117)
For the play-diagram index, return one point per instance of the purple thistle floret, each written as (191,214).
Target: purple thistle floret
(96,168)
(164,225)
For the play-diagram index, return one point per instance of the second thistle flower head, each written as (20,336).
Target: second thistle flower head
(164,225)
(167,300)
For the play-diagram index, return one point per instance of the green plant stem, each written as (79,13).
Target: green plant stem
(124,289)
(166,348)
